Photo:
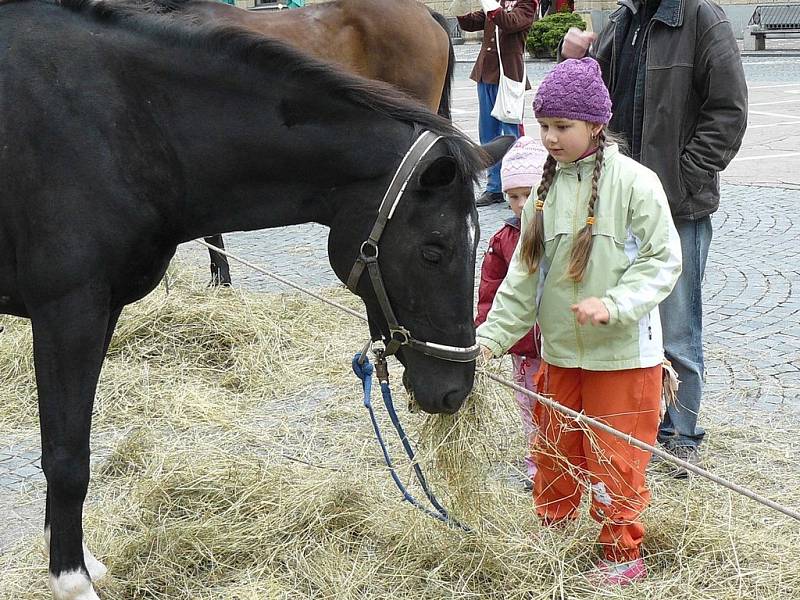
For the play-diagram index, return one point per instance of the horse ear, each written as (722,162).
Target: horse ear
(439,173)
(497,148)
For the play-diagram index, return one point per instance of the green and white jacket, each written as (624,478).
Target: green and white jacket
(634,264)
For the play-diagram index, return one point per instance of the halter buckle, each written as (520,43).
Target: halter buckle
(378,348)
(401,335)
(368,257)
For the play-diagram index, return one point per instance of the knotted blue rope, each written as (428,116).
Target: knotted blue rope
(364,371)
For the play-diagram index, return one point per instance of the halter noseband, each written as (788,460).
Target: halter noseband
(368,258)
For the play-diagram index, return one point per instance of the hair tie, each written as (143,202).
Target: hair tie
(539,205)
(590,220)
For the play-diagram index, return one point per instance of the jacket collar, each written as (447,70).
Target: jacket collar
(587,164)
(514,221)
(670,12)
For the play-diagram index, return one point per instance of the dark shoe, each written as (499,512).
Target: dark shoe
(690,454)
(489,198)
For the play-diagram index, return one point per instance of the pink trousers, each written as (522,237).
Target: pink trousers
(525,370)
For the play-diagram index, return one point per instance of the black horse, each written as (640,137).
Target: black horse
(401,42)
(123,135)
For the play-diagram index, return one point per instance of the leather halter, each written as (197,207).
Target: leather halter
(368,258)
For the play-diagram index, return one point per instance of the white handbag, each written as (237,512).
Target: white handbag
(510,103)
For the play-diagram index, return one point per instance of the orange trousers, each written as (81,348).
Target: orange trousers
(568,454)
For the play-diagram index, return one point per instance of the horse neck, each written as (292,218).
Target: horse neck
(261,150)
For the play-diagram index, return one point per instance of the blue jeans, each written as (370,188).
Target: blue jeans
(489,128)
(682,324)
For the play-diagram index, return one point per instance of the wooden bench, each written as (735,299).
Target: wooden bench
(774,20)
(267,5)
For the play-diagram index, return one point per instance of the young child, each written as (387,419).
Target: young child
(598,253)
(520,172)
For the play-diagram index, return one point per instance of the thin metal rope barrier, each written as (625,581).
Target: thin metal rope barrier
(578,417)
(583,419)
(283,280)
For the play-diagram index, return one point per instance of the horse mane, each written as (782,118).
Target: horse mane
(164,6)
(275,56)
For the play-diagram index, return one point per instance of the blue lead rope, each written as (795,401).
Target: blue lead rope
(364,373)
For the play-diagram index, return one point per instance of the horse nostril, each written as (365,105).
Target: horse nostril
(452,401)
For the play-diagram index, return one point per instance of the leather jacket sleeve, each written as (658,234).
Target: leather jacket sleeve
(601,51)
(719,80)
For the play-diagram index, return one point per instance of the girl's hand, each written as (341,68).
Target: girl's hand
(591,309)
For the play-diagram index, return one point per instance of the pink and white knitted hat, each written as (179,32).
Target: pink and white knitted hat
(522,164)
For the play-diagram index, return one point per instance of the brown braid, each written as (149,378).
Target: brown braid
(533,239)
(582,246)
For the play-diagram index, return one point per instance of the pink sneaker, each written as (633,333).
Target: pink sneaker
(607,573)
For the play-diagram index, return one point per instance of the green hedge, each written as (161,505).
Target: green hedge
(546,33)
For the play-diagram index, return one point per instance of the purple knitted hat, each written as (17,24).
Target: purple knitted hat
(574,89)
(522,164)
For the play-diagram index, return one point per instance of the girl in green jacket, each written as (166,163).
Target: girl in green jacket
(598,253)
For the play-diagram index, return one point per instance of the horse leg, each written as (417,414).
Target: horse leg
(220,269)
(70,335)
(96,569)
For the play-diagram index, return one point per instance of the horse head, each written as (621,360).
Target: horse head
(419,287)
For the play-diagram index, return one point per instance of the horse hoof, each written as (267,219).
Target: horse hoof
(217,282)
(72,585)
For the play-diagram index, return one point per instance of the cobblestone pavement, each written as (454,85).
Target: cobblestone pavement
(752,288)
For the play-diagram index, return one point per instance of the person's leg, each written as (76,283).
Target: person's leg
(559,448)
(628,401)
(488,126)
(488,129)
(682,326)
(525,370)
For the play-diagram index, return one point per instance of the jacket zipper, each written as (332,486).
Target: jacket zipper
(646,57)
(578,340)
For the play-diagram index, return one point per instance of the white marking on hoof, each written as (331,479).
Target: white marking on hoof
(97,570)
(72,585)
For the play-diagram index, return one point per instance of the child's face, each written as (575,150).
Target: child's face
(566,139)
(517,197)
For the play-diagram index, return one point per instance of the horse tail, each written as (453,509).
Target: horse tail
(444,102)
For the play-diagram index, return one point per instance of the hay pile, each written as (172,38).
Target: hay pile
(193,355)
(240,466)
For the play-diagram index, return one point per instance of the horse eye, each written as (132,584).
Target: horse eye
(431,254)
